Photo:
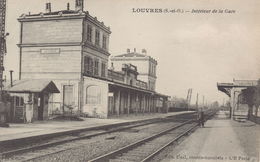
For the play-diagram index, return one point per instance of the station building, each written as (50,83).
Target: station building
(64,56)
(145,63)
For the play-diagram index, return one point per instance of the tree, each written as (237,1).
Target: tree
(257,97)
(251,96)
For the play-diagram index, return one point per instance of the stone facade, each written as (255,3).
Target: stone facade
(95,97)
(51,31)
(55,45)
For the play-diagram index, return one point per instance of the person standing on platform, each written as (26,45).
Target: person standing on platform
(201,118)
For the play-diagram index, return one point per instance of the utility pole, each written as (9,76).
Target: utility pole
(197,102)
(203,101)
(2,40)
(189,97)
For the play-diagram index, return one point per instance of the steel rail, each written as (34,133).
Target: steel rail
(8,154)
(55,143)
(112,154)
(149,157)
(119,151)
(22,150)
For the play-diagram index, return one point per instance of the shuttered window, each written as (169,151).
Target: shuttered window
(97,38)
(96,69)
(88,65)
(103,69)
(104,43)
(89,33)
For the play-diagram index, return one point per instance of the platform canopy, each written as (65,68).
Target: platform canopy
(128,87)
(33,86)
(225,87)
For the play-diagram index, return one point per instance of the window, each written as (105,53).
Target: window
(96,67)
(153,69)
(150,68)
(88,65)
(131,82)
(104,44)
(19,101)
(93,95)
(103,70)
(97,38)
(89,33)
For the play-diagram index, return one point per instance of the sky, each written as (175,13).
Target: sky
(193,50)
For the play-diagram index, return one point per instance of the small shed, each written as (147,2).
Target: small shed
(31,99)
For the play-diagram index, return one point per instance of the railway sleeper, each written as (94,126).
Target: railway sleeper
(130,158)
(147,149)
(138,156)
(134,154)
(119,160)
(142,149)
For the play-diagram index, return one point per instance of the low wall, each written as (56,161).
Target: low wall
(255,119)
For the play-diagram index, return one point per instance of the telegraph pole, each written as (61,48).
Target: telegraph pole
(2,41)
(189,97)
(197,102)
(203,101)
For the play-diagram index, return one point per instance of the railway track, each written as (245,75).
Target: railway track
(145,149)
(38,151)
(72,138)
(80,136)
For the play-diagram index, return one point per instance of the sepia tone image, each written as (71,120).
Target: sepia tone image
(129,80)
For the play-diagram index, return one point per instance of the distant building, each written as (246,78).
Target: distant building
(234,91)
(70,48)
(145,64)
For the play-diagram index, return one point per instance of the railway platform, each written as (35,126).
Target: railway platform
(222,140)
(52,128)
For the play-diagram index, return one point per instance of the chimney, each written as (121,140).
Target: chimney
(144,51)
(134,50)
(79,5)
(48,7)
(112,66)
(68,6)
(128,50)
(11,77)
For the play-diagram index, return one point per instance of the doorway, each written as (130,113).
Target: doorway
(67,97)
(40,106)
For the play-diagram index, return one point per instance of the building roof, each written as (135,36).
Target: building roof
(33,86)
(161,95)
(62,14)
(123,85)
(56,13)
(226,87)
(132,54)
(247,83)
